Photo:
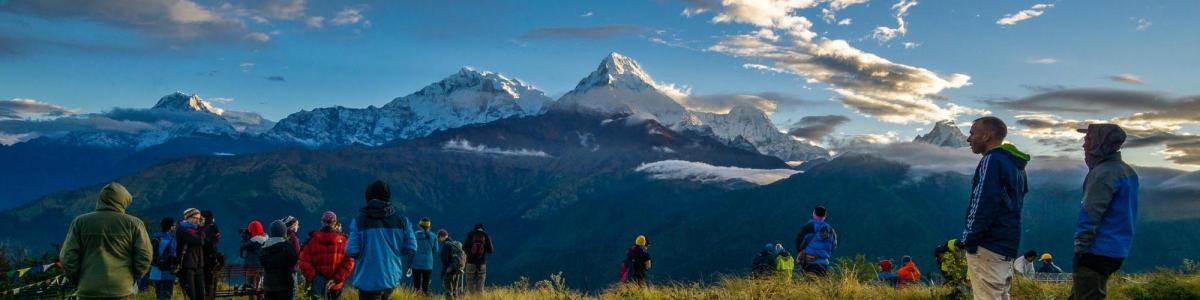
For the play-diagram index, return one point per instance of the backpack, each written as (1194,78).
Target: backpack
(478,243)
(159,258)
(458,259)
(821,241)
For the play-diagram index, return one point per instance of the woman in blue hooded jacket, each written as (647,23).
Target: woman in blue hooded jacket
(422,262)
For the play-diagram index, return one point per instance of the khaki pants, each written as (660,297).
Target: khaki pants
(991,275)
(450,285)
(476,274)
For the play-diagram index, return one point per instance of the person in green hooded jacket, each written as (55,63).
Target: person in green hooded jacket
(107,250)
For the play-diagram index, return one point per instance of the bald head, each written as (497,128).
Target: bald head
(986,133)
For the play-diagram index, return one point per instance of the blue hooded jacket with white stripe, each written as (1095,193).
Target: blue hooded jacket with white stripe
(379,239)
(997,195)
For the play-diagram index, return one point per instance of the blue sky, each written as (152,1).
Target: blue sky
(128,53)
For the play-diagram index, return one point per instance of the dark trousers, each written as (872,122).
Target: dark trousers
(163,289)
(375,295)
(192,283)
(451,284)
(1091,275)
(279,295)
(210,285)
(421,279)
(816,269)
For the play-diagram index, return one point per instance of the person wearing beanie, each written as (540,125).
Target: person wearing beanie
(908,273)
(214,260)
(252,243)
(191,238)
(163,266)
(293,226)
(815,244)
(479,245)
(323,260)
(1048,265)
(1105,227)
(422,262)
(885,275)
(106,267)
(378,239)
(278,259)
(637,260)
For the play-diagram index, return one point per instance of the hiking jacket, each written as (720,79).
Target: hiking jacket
(908,274)
(250,248)
(1049,267)
(637,257)
(446,254)
(278,260)
(997,194)
(106,251)
(427,247)
(477,245)
(1110,198)
(212,236)
(325,254)
(764,263)
(191,246)
(378,239)
(166,247)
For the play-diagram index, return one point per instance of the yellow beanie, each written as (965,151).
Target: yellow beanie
(640,241)
(1047,256)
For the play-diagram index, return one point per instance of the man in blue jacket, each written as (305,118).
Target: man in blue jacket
(993,222)
(1108,212)
(379,238)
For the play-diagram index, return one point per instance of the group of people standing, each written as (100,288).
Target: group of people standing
(106,251)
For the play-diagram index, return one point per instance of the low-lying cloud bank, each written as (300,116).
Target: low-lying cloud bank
(706,173)
(463,145)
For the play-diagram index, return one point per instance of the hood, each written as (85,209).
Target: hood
(259,239)
(1021,158)
(377,209)
(113,197)
(1105,142)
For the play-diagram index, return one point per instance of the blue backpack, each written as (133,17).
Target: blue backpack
(820,243)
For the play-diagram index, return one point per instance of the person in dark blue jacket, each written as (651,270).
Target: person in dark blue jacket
(993,220)
(1108,212)
(379,239)
(162,268)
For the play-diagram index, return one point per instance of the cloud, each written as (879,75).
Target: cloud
(177,21)
(851,143)
(314,21)
(258,37)
(722,103)
(587,14)
(222,100)
(586,33)
(1086,100)
(1179,148)
(815,128)
(706,173)
(1033,12)
(20,108)
(462,145)
(1142,24)
(844,22)
(1126,78)
(276,78)
(884,34)
(348,16)
(829,14)
(1044,61)
(279,9)
(865,82)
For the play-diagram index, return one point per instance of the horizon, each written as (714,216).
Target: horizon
(883,72)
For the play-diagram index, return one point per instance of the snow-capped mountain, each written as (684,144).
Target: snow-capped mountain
(183,102)
(944,134)
(464,98)
(619,85)
(744,121)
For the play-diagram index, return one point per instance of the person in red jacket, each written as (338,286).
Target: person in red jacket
(908,273)
(323,261)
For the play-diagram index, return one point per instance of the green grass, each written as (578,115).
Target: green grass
(1158,285)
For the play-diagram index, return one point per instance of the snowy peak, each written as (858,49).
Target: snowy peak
(945,134)
(183,102)
(471,87)
(617,70)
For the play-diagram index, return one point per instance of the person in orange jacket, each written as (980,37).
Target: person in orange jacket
(908,273)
